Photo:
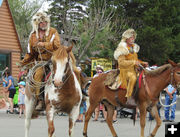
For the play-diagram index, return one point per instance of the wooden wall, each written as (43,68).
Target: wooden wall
(8,37)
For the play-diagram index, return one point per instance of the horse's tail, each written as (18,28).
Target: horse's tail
(84,80)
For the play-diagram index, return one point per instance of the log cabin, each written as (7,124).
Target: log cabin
(10,48)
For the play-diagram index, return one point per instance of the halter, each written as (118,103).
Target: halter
(172,78)
(171,82)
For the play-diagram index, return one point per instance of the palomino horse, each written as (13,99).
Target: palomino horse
(157,80)
(62,92)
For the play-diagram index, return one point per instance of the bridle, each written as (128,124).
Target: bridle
(174,85)
(172,80)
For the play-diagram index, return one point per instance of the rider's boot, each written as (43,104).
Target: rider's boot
(39,106)
(40,99)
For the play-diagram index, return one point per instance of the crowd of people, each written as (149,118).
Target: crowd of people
(10,89)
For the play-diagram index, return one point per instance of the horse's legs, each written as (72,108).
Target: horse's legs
(110,112)
(143,113)
(50,116)
(88,116)
(155,114)
(72,118)
(29,102)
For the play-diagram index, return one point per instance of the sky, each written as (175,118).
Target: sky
(1,2)
(45,6)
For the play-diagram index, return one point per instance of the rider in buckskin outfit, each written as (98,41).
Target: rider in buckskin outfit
(126,55)
(43,40)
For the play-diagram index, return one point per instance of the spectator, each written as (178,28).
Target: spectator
(170,98)
(5,81)
(21,97)
(82,111)
(10,87)
(22,75)
(114,115)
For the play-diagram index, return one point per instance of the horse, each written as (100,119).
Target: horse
(156,80)
(62,91)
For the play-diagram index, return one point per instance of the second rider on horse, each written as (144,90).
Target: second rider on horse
(126,55)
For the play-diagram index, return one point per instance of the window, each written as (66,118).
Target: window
(4,62)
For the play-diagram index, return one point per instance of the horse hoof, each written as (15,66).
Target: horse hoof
(85,134)
(151,135)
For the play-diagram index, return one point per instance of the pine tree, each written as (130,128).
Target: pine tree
(64,13)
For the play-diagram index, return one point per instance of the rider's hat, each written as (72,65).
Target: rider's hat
(38,18)
(128,33)
(99,67)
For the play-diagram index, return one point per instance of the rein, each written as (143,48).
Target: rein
(172,78)
(30,80)
(147,89)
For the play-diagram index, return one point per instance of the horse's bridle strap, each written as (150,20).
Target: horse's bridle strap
(172,79)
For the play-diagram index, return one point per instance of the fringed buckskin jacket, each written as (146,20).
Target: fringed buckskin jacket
(126,58)
(52,43)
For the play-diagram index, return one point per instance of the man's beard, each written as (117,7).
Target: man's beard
(43,28)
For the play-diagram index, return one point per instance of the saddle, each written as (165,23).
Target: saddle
(112,83)
(111,80)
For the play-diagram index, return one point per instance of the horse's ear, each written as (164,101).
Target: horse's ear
(172,63)
(69,48)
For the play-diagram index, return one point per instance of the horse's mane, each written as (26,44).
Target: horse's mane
(61,53)
(158,70)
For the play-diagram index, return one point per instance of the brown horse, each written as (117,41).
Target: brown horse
(62,91)
(157,80)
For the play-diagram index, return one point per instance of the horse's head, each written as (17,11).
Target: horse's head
(61,65)
(175,73)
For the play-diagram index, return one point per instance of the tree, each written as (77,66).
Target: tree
(156,33)
(65,14)
(22,12)
(156,22)
(93,20)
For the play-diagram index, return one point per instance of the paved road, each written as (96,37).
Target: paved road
(12,126)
